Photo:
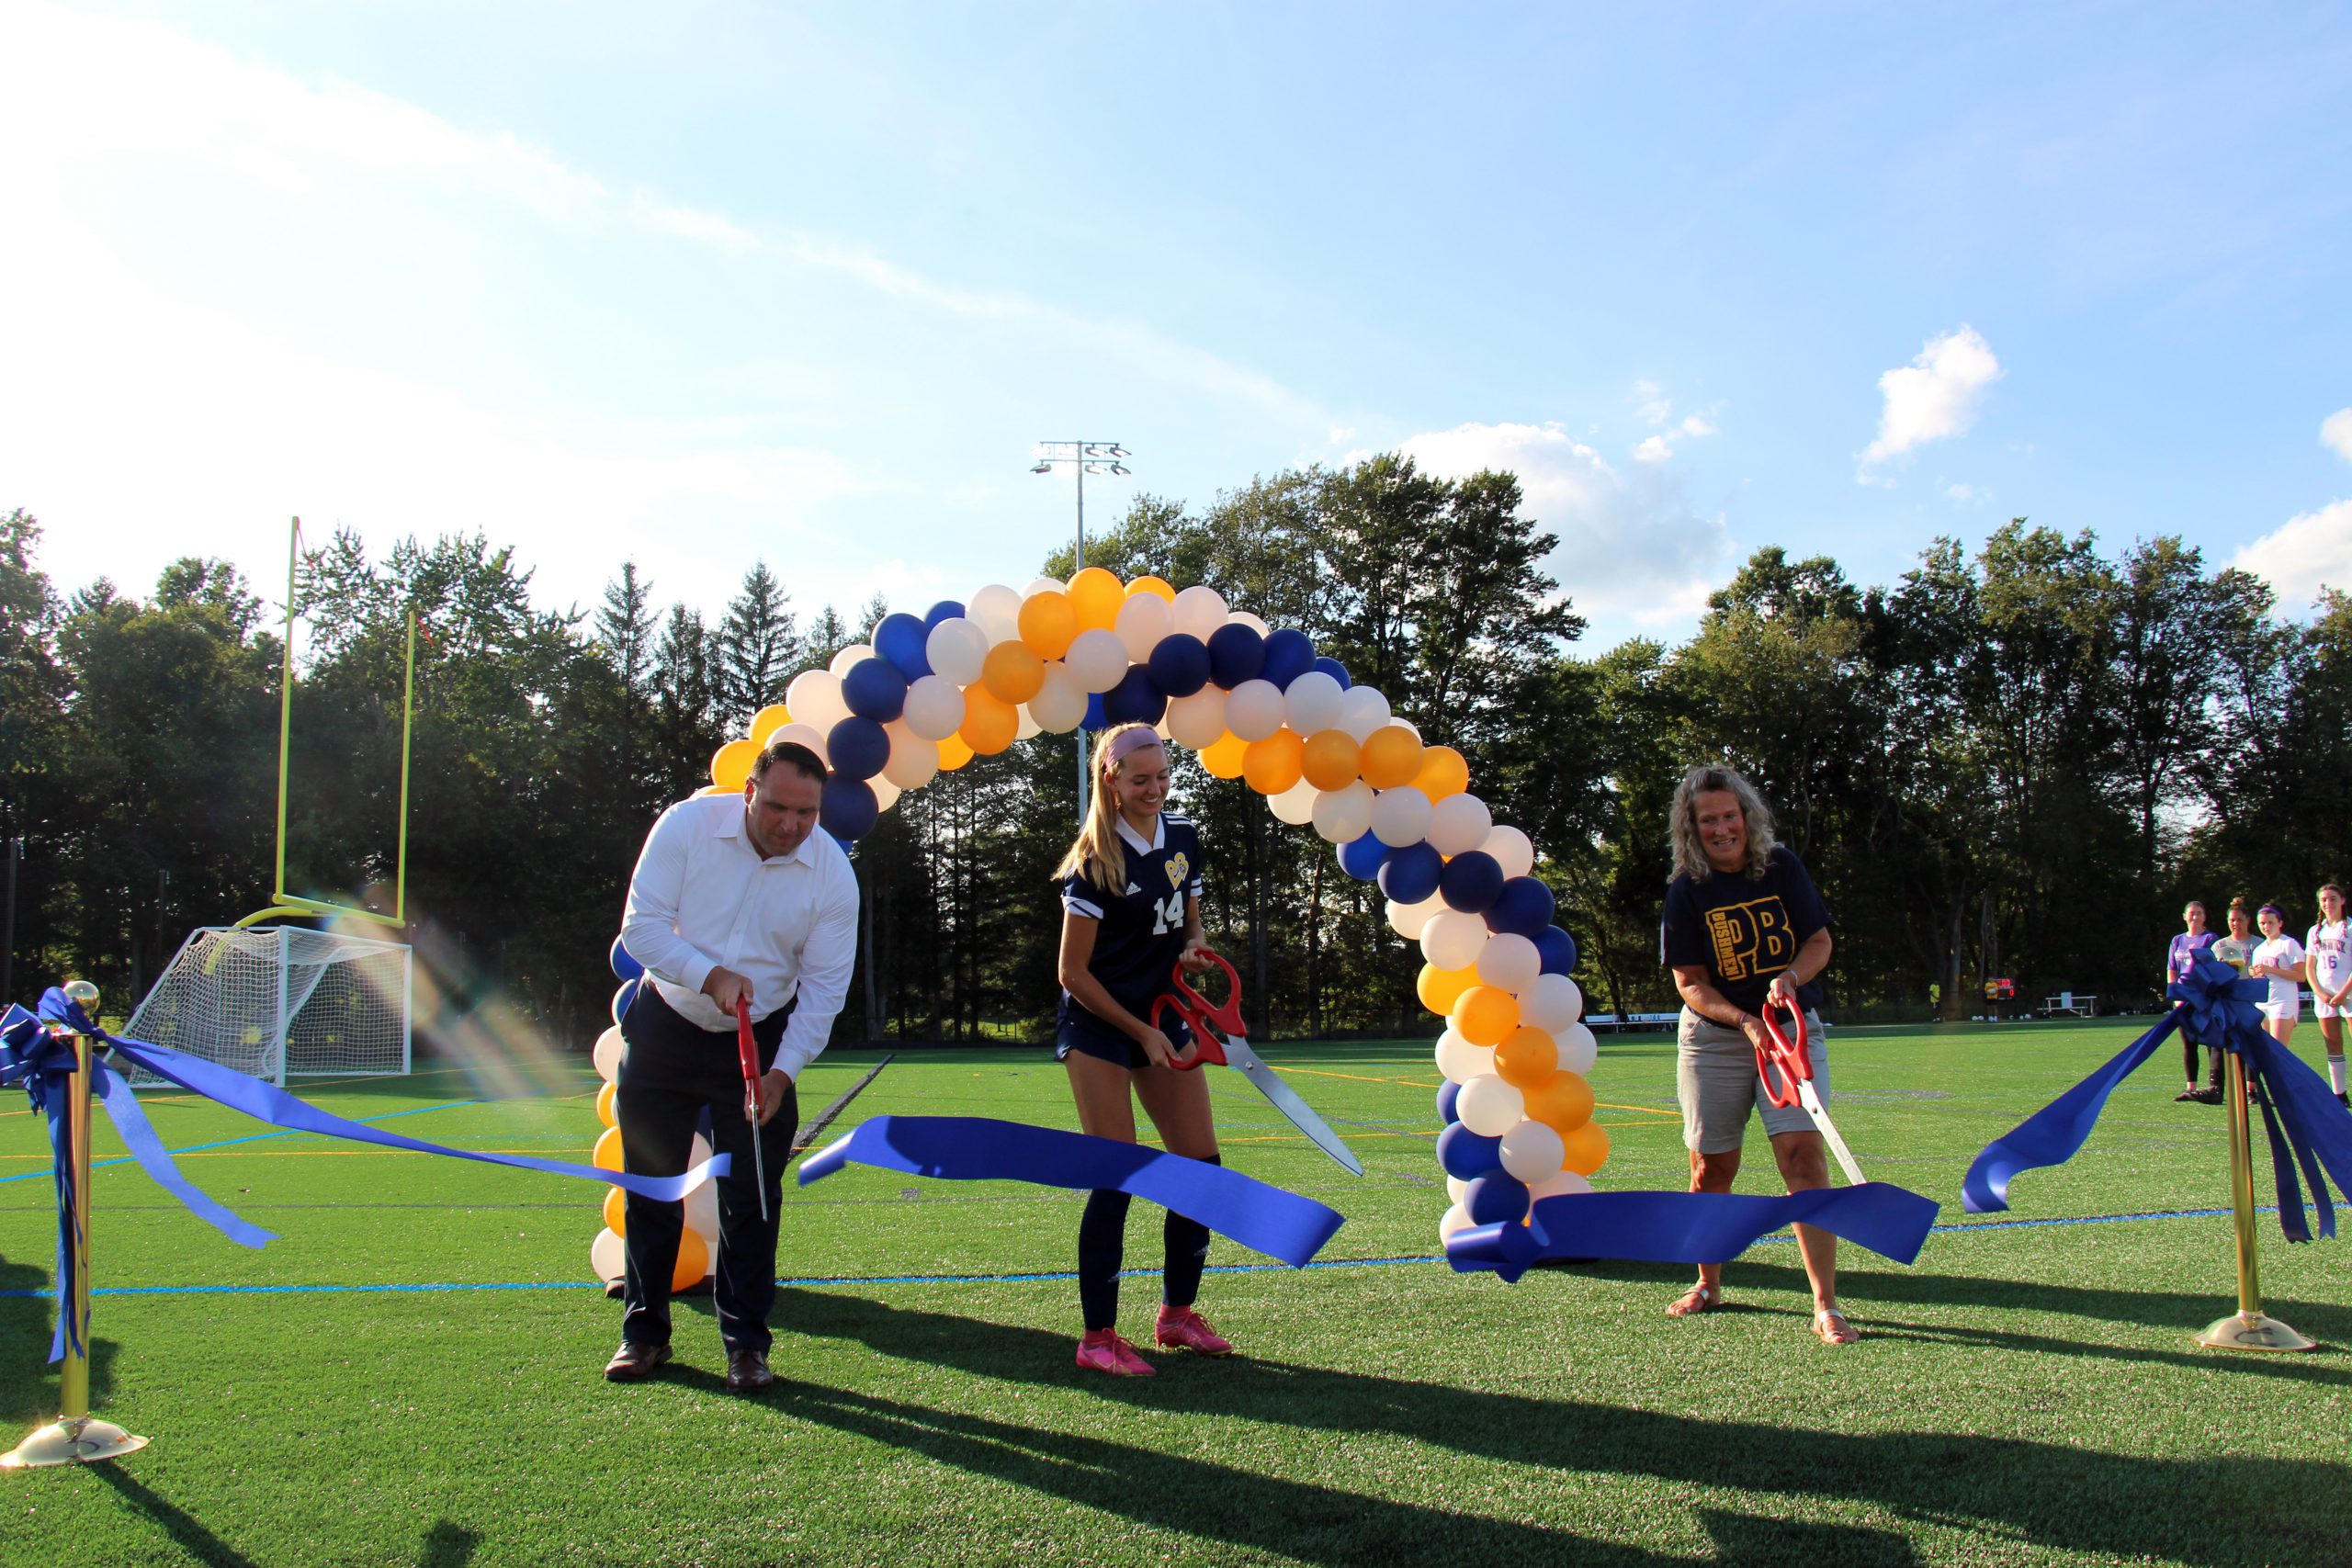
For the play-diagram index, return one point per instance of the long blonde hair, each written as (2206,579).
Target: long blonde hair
(1097,854)
(1690,857)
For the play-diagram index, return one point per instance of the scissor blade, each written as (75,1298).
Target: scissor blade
(1820,1114)
(760,1167)
(1285,1100)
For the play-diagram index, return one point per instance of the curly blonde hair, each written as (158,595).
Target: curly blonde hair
(1690,857)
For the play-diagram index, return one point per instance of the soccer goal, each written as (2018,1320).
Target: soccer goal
(277,1000)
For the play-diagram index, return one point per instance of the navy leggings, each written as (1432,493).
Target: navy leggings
(1102,1242)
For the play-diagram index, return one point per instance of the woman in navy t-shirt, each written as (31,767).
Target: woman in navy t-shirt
(1131,912)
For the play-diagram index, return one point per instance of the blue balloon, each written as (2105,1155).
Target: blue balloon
(1137,699)
(1179,664)
(1236,653)
(1411,873)
(622,998)
(625,963)
(945,610)
(1289,655)
(1096,717)
(874,689)
(847,810)
(1496,1200)
(1360,859)
(899,639)
(1468,1156)
(1473,880)
(1525,906)
(1557,949)
(857,747)
(1447,1093)
(1334,669)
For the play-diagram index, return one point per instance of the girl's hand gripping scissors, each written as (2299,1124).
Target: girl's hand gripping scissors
(1793,1063)
(1229,1047)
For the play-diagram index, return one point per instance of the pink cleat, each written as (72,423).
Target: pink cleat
(1182,1328)
(1104,1351)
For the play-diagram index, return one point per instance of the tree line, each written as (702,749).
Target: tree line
(2016,761)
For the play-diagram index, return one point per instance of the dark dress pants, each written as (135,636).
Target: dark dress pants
(673,1072)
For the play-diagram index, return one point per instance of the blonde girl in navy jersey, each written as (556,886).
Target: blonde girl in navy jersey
(1131,912)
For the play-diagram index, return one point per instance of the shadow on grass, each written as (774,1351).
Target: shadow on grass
(190,1536)
(28,1382)
(2052,1495)
(448,1545)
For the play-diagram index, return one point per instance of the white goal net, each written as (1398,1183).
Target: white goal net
(276,1001)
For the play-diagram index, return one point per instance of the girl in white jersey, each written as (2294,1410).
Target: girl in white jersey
(2278,960)
(2329,965)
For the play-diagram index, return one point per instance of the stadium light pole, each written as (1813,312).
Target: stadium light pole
(1083,457)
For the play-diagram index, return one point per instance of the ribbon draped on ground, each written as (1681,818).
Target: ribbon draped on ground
(2307,1128)
(43,1065)
(977,1148)
(1690,1227)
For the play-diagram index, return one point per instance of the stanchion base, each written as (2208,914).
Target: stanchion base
(83,1440)
(2253,1331)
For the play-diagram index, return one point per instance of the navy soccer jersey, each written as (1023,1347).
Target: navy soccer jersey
(1143,923)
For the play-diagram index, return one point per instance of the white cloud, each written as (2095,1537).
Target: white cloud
(1697,424)
(2335,430)
(1653,449)
(2308,552)
(1961,492)
(1936,396)
(1652,403)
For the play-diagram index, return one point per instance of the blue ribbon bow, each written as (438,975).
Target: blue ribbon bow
(1690,1227)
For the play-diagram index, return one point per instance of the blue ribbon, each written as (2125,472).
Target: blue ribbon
(1690,1227)
(43,1065)
(2308,1130)
(976,1148)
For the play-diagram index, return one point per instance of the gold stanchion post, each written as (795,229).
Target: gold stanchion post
(76,1437)
(2248,1329)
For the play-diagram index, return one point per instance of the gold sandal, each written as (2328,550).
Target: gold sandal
(1843,1333)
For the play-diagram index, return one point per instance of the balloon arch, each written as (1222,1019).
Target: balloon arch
(966,680)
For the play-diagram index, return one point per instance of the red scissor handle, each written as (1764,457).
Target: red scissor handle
(747,1051)
(1198,1013)
(1788,1057)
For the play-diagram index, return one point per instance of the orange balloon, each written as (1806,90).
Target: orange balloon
(1013,673)
(1096,595)
(719,789)
(954,752)
(1225,756)
(615,1211)
(1049,624)
(1527,1056)
(693,1262)
(990,722)
(1588,1149)
(1441,988)
(1561,1103)
(1484,1015)
(730,765)
(604,1106)
(1329,759)
(1158,585)
(608,1151)
(1272,765)
(1392,756)
(773,717)
(1444,772)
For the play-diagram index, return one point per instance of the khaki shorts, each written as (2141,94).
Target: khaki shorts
(1717,1080)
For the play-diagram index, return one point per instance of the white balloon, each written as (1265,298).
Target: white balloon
(912,760)
(1143,620)
(1343,816)
(1460,1061)
(1400,817)
(1254,709)
(1457,1218)
(1409,921)
(1296,804)
(1578,1049)
(849,656)
(1409,724)
(1028,724)
(1244,618)
(1098,659)
(815,699)
(1456,1189)
(934,708)
(805,734)
(995,610)
(1060,702)
(607,1055)
(1199,610)
(1045,585)
(1453,939)
(1564,1184)
(1512,850)
(1458,823)
(1362,710)
(608,1258)
(1490,1107)
(1534,1151)
(1197,720)
(886,794)
(1551,1003)
(1509,961)
(1312,702)
(956,648)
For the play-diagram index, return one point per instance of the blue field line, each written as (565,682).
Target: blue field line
(252,1138)
(820,1282)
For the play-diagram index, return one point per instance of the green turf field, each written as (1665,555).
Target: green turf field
(2027,1393)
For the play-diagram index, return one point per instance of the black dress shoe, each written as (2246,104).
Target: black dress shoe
(747,1371)
(634,1362)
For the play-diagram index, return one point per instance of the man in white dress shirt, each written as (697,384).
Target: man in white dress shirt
(732,897)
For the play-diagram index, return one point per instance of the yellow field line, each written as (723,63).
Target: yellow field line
(1352,1077)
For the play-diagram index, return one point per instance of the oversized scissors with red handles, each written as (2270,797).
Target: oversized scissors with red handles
(1227,1045)
(1793,1063)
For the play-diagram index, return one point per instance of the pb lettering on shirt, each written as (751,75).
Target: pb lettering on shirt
(1744,931)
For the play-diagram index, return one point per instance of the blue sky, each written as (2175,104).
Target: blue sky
(698,282)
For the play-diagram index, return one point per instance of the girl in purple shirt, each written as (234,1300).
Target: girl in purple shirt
(2187,949)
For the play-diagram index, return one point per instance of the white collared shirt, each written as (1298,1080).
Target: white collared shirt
(702,896)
